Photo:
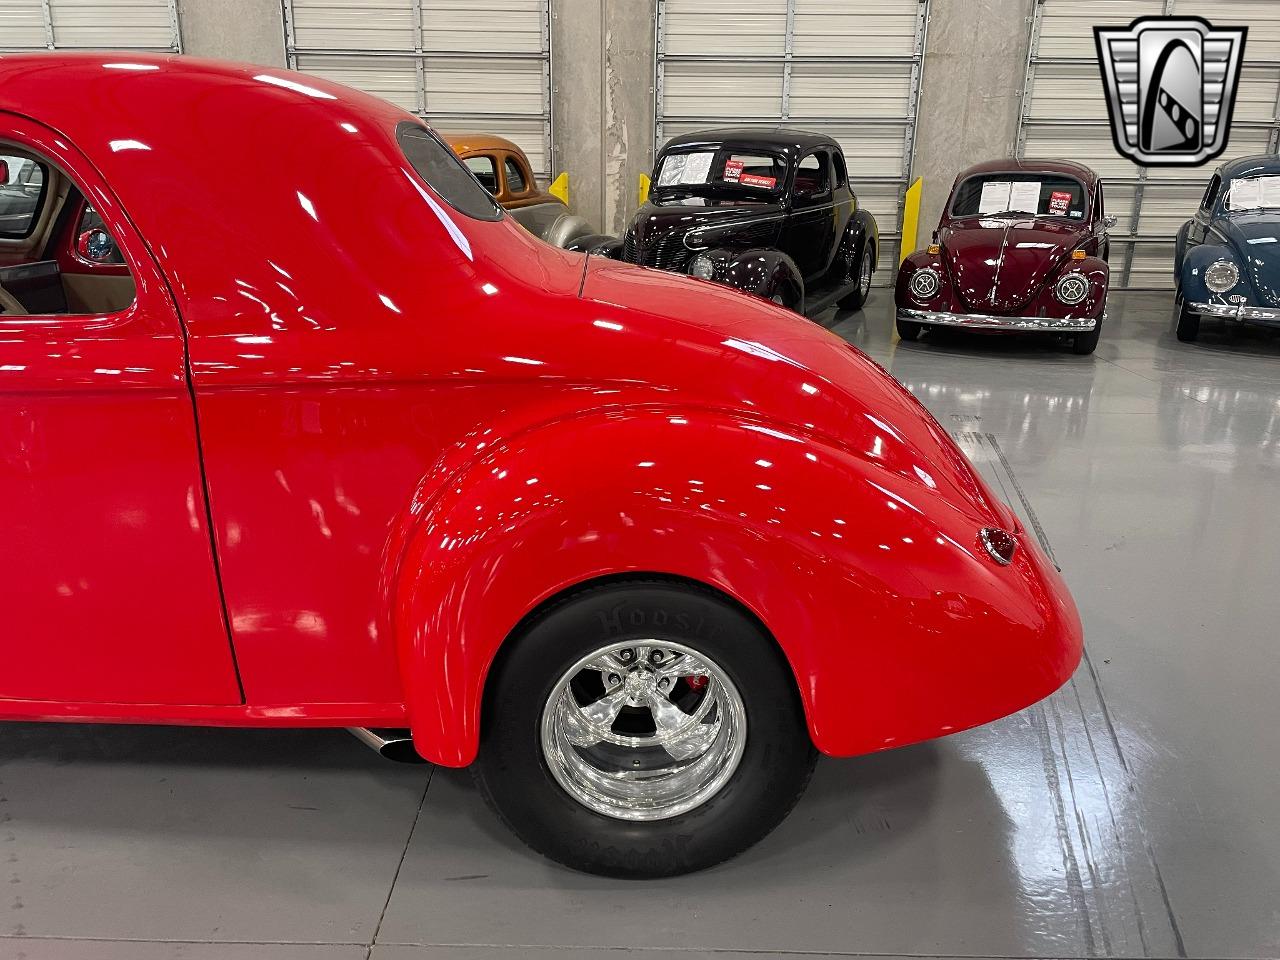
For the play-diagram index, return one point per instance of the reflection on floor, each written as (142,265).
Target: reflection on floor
(1132,814)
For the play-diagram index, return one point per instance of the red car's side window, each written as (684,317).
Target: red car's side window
(57,256)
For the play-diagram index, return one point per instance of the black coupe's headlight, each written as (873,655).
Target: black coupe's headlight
(702,267)
(1221,276)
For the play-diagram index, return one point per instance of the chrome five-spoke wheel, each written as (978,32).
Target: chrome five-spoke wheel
(643,730)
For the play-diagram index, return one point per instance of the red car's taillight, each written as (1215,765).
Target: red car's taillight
(999,544)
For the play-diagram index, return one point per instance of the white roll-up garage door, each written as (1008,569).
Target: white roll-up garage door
(89,24)
(847,69)
(465,65)
(1064,116)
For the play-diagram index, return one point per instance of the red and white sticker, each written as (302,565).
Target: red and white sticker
(751,180)
(733,170)
(1059,201)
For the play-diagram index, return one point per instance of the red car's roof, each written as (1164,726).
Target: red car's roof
(1011,165)
(270,198)
(87,91)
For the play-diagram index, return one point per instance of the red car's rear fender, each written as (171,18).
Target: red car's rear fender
(809,538)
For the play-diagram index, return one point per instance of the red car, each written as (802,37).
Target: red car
(1022,245)
(633,543)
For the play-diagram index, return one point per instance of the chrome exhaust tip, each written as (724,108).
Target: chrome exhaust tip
(395,745)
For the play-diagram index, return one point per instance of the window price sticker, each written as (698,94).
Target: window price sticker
(685,168)
(1024,197)
(733,170)
(1059,202)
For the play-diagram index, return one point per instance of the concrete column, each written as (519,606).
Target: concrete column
(974,65)
(248,30)
(602,55)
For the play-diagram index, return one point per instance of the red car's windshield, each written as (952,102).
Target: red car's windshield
(1034,194)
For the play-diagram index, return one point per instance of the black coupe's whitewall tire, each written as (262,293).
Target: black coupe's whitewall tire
(857,298)
(643,729)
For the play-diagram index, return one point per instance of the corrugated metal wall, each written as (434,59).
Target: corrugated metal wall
(851,70)
(466,65)
(89,24)
(1064,115)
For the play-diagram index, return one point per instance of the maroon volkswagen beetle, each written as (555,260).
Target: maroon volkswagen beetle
(1022,245)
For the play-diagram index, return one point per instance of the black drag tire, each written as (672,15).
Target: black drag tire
(909,329)
(1085,343)
(856,299)
(513,776)
(1188,329)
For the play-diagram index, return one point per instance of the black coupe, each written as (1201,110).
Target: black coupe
(771,213)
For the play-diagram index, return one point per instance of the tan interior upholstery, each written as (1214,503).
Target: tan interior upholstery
(91,293)
(10,306)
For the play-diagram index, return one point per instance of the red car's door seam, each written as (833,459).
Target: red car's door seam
(189,378)
(208,502)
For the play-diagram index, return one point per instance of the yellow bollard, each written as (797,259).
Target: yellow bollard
(910,219)
(644,188)
(560,188)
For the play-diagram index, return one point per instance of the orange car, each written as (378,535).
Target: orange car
(503,169)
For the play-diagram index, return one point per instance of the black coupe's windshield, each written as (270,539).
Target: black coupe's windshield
(1254,193)
(1008,194)
(719,171)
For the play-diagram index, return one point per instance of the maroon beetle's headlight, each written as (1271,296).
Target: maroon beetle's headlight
(925,284)
(1072,288)
(999,544)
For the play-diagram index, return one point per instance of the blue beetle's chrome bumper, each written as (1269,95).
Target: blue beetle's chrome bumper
(1240,313)
(982,321)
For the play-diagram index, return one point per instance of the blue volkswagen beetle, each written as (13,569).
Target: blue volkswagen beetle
(1227,260)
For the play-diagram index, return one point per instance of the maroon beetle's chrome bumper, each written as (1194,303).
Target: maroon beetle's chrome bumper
(983,321)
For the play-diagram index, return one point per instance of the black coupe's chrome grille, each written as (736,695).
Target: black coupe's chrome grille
(666,253)
(669,253)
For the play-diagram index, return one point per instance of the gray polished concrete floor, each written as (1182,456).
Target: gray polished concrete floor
(1134,813)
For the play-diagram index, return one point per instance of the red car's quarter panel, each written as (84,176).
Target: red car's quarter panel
(107,576)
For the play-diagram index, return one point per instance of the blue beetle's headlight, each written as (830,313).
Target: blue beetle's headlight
(1221,276)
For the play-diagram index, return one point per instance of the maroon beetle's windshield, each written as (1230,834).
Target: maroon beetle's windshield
(445,173)
(1007,194)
